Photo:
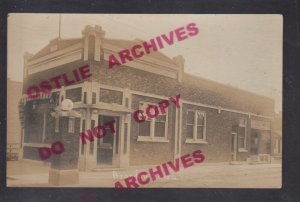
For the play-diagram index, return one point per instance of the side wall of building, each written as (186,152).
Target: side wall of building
(147,152)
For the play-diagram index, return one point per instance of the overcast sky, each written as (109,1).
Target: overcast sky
(244,51)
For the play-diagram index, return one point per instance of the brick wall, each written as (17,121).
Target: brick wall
(219,126)
(143,153)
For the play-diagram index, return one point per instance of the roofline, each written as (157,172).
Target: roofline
(227,86)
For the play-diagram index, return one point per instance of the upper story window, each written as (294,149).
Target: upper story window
(153,129)
(195,126)
(111,96)
(74,94)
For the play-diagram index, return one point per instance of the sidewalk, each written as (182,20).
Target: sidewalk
(26,174)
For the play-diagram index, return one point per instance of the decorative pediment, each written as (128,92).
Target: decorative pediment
(63,51)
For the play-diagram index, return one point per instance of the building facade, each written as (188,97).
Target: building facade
(226,123)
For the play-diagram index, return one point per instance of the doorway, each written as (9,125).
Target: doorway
(254,142)
(233,145)
(234,132)
(107,146)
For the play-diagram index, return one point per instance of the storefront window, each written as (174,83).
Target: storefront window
(34,127)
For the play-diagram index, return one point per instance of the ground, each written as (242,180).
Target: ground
(28,174)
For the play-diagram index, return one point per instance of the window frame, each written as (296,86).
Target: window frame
(195,127)
(102,87)
(56,125)
(72,88)
(152,137)
(244,148)
(71,125)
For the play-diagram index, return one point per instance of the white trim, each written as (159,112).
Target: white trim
(148,95)
(199,104)
(36,145)
(180,128)
(242,150)
(192,141)
(56,125)
(111,87)
(55,62)
(176,133)
(81,131)
(71,125)
(56,54)
(151,139)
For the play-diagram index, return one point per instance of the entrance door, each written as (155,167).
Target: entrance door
(234,132)
(234,145)
(254,142)
(107,146)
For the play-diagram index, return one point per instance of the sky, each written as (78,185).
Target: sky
(244,51)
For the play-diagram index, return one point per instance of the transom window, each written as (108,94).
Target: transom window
(153,128)
(196,125)
(111,96)
(74,94)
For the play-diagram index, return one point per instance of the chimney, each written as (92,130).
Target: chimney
(179,60)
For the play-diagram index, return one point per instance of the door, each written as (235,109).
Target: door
(108,145)
(254,142)
(234,132)
(234,146)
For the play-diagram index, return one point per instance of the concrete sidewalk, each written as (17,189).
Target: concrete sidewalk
(26,174)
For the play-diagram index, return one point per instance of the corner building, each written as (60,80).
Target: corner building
(226,123)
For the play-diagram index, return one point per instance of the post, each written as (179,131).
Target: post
(64,167)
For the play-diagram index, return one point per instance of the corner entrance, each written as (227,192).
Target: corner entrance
(108,146)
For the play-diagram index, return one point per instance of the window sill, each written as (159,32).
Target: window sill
(36,145)
(243,150)
(149,139)
(192,141)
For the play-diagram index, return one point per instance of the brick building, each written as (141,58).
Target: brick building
(226,123)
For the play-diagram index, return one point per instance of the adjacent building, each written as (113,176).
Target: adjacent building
(226,123)
(14,94)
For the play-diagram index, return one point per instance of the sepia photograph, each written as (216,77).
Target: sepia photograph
(144,100)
